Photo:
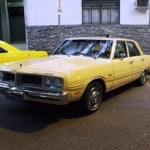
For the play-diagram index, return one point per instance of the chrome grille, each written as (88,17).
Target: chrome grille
(29,80)
(9,77)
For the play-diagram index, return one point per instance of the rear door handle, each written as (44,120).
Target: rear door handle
(130,62)
(142,59)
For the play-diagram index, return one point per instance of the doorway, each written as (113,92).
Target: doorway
(16,21)
(12,22)
(0,27)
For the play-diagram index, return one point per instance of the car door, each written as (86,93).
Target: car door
(136,59)
(121,65)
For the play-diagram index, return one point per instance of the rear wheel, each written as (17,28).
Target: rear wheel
(92,97)
(142,79)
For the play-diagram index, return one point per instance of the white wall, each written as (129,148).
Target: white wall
(44,12)
(130,15)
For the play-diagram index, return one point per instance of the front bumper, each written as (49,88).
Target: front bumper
(12,92)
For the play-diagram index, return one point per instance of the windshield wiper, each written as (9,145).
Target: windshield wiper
(78,53)
(64,53)
(95,57)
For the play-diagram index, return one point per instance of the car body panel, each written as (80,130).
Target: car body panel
(9,53)
(77,71)
(122,72)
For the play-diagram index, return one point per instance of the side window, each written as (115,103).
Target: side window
(133,50)
(2,50)
(120,49)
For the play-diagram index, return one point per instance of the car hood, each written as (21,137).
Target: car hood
(56,65)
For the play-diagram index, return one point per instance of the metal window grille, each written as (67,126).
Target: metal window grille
(101,11)
(116,2)
(142,3)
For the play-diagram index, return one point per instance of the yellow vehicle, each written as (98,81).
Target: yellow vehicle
(9,53)
(80,69)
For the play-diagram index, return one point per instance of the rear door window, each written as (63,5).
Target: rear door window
(2,50)
(133,50)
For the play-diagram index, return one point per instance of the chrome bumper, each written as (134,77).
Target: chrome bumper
(12,92)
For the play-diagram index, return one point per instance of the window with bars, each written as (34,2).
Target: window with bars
(100,11)
(142,3)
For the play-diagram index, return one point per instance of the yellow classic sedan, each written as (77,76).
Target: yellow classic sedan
(80,69)
(9,53)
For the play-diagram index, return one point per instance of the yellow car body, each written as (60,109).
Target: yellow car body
(8,53)
(69,75)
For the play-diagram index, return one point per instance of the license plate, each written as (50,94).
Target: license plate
(14,97)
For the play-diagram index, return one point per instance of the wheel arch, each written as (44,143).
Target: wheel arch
(147,70)
(101,81)
(91,104)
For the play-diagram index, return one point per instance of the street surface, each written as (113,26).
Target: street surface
(121,123)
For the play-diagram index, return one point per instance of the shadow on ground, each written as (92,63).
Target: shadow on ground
(32,117)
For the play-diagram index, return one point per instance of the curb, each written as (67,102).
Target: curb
(148,78)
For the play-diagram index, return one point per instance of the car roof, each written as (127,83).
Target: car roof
(99,38)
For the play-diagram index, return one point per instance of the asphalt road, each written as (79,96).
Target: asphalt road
(121,123)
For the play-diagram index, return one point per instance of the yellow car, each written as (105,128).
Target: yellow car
(80,69)
(9,53)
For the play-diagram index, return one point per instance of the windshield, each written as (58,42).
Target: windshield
(90,48)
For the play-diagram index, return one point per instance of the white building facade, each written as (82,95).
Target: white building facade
(117,18)
(45,12)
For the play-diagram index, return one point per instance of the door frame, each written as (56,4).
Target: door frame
(4,21)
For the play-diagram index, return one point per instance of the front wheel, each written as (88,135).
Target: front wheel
(92,97)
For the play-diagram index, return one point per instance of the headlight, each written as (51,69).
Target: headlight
(48,81)
(1,76)
(53,83)
(58,83)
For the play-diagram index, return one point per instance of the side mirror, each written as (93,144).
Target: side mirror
(122,55)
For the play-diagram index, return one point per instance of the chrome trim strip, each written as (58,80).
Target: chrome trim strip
(44,94)
(76,86)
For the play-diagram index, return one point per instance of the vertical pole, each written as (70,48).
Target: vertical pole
(59,28)
(59,13)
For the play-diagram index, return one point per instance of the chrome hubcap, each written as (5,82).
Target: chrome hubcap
(143,78)
(94,98)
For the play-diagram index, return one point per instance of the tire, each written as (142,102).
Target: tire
(142,80)
(92,97)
